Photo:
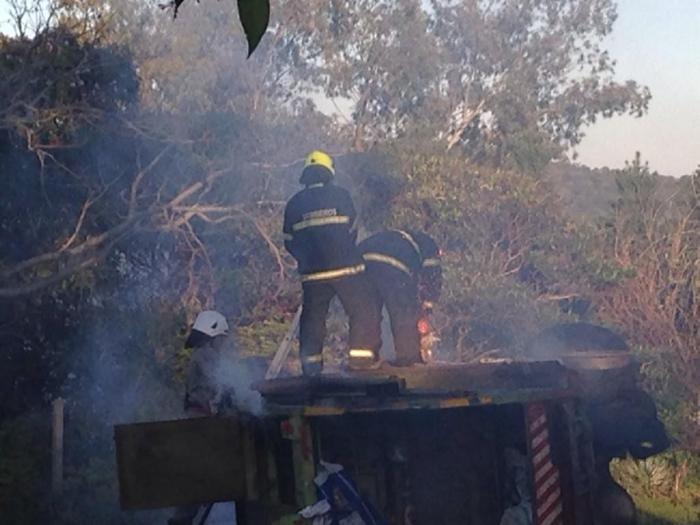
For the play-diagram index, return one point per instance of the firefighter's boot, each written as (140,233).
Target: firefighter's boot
(312,365)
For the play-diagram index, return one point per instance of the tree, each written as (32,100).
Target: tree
(496,78)
(147,164)
(521,70)
(512,83)
(513,261)
(656,238)
(118,223)
(378,55)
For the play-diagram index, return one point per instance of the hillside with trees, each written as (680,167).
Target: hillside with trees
(590,193)
(146,163)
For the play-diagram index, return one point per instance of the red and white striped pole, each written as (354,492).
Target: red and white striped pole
(548,501)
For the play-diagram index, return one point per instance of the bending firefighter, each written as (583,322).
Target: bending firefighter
(404,266)
(319,233)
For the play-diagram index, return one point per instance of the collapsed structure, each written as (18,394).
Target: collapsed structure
(443,443)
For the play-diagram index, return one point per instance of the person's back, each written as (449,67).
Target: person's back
(319,232)
(405,269)
(414,253)
(319,221)
(394,247)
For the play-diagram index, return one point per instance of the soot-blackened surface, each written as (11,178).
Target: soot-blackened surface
(452,473)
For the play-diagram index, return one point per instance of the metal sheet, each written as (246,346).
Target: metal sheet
(170,463)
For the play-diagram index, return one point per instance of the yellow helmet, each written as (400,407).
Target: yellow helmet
(320,158)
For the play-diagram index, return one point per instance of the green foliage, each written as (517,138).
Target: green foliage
(128,206)
(652,477)
(665,488)
(24,460)
(254,15)
(508,252)
(654,238)
(262,337)
(677,406)
(64,101)
(661,511)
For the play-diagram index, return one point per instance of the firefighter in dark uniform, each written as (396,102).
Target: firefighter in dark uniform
(319,232)
(404,267)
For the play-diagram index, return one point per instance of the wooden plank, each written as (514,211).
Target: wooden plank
(183,462)
(248,439)
(335,406)
(284,348)
(304,462)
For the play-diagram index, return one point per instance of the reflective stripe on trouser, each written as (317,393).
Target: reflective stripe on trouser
(359,301)
(362,353)
(399,293)
(312,364)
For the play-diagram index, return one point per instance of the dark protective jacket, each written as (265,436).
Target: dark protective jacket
(218,379)
(413,253)
(319,232)
(203,390)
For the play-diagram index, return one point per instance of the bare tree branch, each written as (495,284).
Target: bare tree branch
(13,292)
(78,225)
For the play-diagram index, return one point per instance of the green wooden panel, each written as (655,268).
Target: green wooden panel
(170,463)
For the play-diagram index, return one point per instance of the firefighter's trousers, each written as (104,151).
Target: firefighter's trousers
(399,293)
(359,301)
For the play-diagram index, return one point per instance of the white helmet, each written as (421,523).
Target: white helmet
(211,323)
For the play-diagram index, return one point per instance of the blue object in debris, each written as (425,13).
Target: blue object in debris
(337,487)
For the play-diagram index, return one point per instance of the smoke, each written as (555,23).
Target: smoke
(239,374)
(109,340)
(122,382)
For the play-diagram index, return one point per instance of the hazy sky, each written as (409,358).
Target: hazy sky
(657,43)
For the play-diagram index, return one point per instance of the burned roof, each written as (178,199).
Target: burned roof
(421,386)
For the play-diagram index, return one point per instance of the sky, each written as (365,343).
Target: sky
(657,43)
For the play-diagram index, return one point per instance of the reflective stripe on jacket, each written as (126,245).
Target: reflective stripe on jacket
(318,232)
(415,254)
